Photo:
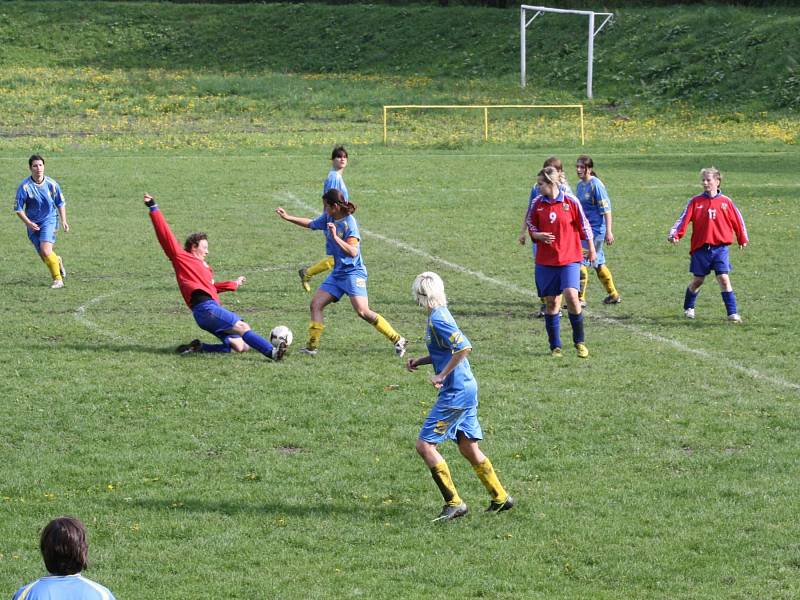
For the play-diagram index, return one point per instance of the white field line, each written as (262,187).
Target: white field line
(680,346)
(80,316)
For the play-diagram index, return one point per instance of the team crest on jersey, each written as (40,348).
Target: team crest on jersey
(565,206)
(724,206)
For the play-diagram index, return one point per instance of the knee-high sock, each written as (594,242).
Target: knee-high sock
(584,281)
(441,475)
(485,472)
(51,260)
(552,323)
(729,298)
(314,333)
(604,275)
(326,264)
(689,299)
(383,326)
(254,340)
(577,327)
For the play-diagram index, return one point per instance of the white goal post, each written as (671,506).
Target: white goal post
(540,10)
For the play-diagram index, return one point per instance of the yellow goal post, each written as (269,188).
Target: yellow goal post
(484,107)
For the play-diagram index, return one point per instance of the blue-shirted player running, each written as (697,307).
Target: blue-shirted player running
(349,276)
(597,208)
(40,204)
(455,414)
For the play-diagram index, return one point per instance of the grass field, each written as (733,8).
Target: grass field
(665,465)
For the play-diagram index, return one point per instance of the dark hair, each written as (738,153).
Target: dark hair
(334,197)
(554,161)
(63,545)
(338,151)
(33,158)
(587,162)
(194,240)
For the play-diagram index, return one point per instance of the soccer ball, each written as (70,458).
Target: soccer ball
(279,334)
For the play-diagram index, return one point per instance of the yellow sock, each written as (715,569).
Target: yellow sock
(314,333)
(584,282)
(51,260)
(488,477)
(326,264)
(604,275)
(383,326)
(441,475)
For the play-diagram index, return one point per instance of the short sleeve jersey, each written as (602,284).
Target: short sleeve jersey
(334,181)
(595,203)
(443,339)
(63,587)
(345,228)
(40,201)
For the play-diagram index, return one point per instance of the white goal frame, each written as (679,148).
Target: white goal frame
(540,10)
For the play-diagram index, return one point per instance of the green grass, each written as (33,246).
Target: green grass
(660,467)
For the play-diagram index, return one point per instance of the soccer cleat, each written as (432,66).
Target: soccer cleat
(735,318)
(304,279)
(61,268)
(542,312)
(556,352)
(309,351)
(400,347)
(496,507)
(689,312)
(612,299)
(279,350)
(583,351)
(193,346)
(451,512)
(583,302)
(57,283)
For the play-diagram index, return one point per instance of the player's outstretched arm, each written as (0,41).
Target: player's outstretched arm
(413,363)
(301,221)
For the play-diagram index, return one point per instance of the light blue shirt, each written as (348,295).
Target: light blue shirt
(40,201)
(345,228)
(63,587)
(595,202)
(334,181)
(443,339)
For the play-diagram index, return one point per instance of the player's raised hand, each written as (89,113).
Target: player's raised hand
(281,212)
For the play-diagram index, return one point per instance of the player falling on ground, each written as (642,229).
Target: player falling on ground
(597,207)
(200,292)
(349,276)
(333,181)
(40,204)
(715,219)
(556,224)
(552,161)
(455,414)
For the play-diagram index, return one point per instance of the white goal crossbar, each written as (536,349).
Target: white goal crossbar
(540,10)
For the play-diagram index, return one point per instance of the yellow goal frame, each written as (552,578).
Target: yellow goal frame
(484,107)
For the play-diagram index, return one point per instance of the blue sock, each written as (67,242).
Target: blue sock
(552,323)
(729,298)
(577,327)
(690,299)
(225,347)
(254,340)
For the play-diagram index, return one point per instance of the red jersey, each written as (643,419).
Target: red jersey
(564,218)
(191,272)
(714,221)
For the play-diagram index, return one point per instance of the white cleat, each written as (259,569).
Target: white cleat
(689,312)
(57,283)
(735,318)
(400,347)
(309,351)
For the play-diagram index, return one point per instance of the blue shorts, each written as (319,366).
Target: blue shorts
(211,317)
(347,284)
(444,423)
(551,281)
(599,242)
(706,258)
(46,233)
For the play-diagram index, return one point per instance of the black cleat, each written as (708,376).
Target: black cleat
(193,346)
(279,350)
(451,512)
(496,507)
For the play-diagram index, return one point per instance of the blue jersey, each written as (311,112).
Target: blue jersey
(39,201)
(63,587)
(345,228)
(334,181)
(595,202)
(443,339)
